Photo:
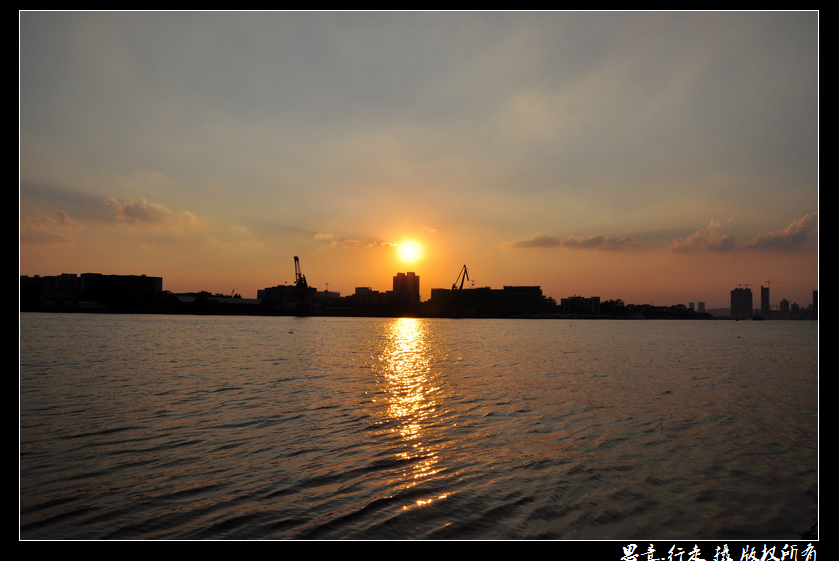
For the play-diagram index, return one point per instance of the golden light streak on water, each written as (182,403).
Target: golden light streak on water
(406,374)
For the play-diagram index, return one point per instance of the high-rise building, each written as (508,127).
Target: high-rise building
(701,307)
(764,302)
(741,303)
(406,288)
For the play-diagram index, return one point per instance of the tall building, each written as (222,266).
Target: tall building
(701,307)
(741,303)
(765,311)
(406,288)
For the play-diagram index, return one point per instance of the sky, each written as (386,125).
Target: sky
(658,157)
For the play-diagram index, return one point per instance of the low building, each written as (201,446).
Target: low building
(288,298)
(90,291)
(487,302)
(580,305)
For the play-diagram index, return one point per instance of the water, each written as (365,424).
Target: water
(239,427)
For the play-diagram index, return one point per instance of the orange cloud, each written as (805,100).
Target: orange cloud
(707,239)
(37,230)
(138,211)
(792,236)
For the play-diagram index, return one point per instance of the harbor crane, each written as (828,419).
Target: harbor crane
(299,277)
(302,291)
(462,277)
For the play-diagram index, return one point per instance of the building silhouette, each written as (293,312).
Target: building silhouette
(406,290)
(765,310)
(488,302)
(741,303)
(90,291)
(580,305)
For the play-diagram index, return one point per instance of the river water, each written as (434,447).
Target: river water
(155,427)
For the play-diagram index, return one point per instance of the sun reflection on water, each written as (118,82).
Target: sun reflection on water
(407,384)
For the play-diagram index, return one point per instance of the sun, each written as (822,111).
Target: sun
(409,251)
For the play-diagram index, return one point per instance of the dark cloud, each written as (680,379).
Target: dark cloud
(790,237)
(573,242)
(724,243)
(596,242)
(38,198)
(61,217)
(538,240)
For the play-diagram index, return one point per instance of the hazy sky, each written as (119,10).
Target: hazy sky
(653,157)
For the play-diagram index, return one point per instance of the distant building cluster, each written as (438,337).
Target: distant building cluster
(742,306)
(403,299)
(91,292)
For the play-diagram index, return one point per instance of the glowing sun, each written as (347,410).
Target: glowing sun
(409,251)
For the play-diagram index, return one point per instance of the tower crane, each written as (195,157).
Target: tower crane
(769,284)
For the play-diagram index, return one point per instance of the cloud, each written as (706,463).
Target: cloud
(707,239)
(42,235)
(58,218)
(597,242)
(62,218)
(37,230)
(537,240)
(352,242)
(138,211)
(790,237)
(573,242)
